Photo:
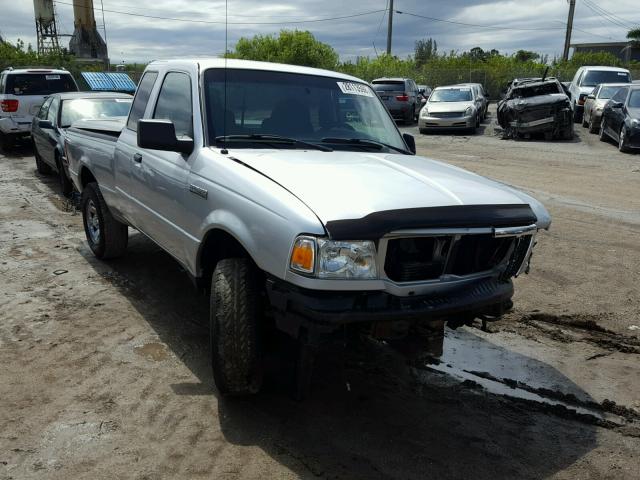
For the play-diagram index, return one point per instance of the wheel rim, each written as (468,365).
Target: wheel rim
(621,141)
(92,222)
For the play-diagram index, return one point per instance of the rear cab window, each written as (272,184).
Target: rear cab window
(141,99)
(39,83)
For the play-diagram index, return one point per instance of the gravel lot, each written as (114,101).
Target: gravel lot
(105,371)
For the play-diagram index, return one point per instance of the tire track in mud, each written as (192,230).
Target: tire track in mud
(583,328)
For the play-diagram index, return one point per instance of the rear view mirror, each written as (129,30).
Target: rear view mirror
(45,124)
(410,141)
(161,135)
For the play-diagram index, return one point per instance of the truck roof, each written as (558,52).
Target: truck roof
(206,63)
(604,68)
(36,70)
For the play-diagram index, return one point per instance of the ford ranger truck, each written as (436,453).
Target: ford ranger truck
(290,194)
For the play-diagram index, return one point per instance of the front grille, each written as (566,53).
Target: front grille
(428,258)
(446,114)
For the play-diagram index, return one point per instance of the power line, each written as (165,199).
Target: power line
(378,29)
(609,16)
(210,22)
(493,27)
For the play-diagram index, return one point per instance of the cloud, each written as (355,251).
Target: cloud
(136,38)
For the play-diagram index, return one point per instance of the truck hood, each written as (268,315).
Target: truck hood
(342,185)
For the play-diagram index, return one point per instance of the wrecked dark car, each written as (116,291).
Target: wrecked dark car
(536,106)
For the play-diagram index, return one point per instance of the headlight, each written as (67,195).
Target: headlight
(331,259)
(468,112)
(424,112)
(635,122)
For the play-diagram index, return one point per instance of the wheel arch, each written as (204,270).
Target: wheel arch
(86,176)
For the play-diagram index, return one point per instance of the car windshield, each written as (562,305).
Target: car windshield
(595,77)
(93,108)
(255,104)
(39,83)
(607,92)
(451,95)
(634,99)
(393,86)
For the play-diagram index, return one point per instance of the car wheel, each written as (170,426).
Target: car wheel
(42,167)
(585,123)
(477,121)
(592,127)
(577,115)
(234,326)
(6,142)
(66,187)
(107,237)
(622,141)
(602,134)
(423,131)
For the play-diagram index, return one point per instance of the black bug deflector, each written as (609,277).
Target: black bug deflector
(376,225)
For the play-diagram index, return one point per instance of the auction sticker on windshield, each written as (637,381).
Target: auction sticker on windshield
(353,88)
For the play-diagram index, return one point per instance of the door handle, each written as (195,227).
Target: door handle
(137,158)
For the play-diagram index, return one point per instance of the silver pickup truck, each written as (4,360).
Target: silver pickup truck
(290,194)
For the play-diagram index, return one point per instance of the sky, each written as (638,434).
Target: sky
(507,26)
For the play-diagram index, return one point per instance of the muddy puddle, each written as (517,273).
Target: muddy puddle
(470,357)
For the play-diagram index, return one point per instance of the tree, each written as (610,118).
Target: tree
(478,54)
(425,50)
(634,36)
(526,56)
(290,46)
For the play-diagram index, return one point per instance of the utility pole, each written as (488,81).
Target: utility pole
(390,27)
(567,40)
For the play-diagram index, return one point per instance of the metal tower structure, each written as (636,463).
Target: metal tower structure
(86,43)
(46,28)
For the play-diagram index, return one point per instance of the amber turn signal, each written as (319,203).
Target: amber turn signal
(303,255)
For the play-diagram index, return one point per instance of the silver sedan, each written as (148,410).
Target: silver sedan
(595,102)
(451,107)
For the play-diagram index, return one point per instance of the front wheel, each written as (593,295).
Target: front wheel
(41,166)
(592,126)
(622,141)
(66,187)
(235,323)
(107,237)
(602,134)
(577,115)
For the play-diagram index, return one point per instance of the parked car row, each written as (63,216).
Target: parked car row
(43,104)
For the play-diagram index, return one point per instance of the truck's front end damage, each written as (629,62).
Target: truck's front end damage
(537,107)
(431,270)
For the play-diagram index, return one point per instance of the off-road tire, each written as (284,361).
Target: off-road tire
(42,167)
(622,143)
(66,187)
(235,323)
(113,235)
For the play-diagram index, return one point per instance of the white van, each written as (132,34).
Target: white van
(586,79)
(22,92)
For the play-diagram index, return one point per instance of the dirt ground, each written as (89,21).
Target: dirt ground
(104,367)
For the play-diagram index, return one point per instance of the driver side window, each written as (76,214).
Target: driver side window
(620,95)
(175,103)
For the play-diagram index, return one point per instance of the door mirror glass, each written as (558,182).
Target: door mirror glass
(617,105)
(45,124)
(591,96)
(161,135)
(410,141)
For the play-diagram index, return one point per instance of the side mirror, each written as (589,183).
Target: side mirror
(410,141)
(45,124)
(161,135)
(617,104)
(591,96)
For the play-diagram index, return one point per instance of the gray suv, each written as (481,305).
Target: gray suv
(400,96)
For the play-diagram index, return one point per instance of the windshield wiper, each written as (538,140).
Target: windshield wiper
(267,138)
(364,142)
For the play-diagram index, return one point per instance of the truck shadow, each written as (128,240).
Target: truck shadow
(369,415)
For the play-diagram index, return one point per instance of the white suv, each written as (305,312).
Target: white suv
(586,79)
(22,92)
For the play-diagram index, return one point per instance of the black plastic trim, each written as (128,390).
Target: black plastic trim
(376,225)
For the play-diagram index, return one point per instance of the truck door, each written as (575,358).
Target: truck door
(126,169)
(160,179)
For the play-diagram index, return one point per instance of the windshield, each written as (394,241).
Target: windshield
(607,92)
(634,99)
(595,77)
(39,84)
(93,108)
(307,108)
(451,95)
